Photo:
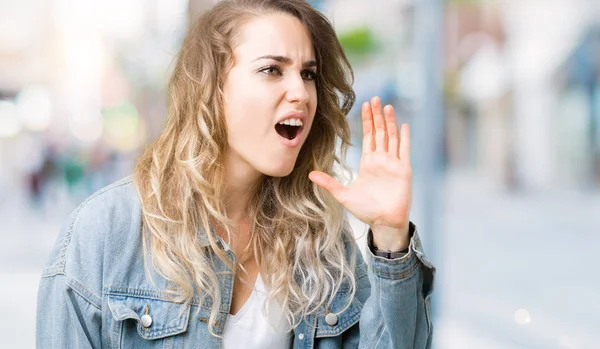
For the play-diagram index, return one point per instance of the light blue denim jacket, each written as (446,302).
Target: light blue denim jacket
(94,292)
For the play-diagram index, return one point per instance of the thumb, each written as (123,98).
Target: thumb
(328,183)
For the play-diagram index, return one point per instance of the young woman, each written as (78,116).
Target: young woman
(232,231)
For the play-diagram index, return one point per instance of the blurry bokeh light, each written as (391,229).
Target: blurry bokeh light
(123,128)
(35,108)
(9,119)
(522,317)
(87,126)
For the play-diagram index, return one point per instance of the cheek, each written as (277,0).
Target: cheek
(239,97)
(252,96)
(239,105)
(247,117)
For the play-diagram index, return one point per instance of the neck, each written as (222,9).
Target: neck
(240,181)
(236,199)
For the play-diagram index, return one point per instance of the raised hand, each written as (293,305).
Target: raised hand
(381,195)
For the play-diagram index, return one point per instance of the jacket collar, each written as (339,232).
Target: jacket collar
(204,241)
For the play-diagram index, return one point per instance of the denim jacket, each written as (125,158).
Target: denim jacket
(94,292)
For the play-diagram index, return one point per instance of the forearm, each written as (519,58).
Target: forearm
(397,312)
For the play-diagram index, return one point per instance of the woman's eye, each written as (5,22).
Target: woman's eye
(272,70)
(309,75)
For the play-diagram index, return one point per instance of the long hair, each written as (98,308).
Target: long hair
(298,231)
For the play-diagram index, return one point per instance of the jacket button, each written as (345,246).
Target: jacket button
(146,321)
(331,319)
(301,336)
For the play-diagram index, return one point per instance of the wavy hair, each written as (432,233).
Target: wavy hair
(298,231)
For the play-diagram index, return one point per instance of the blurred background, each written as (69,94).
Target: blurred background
(503,99)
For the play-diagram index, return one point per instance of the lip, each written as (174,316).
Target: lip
(293,115)
(292,143)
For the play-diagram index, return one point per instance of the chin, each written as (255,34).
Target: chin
(281,171)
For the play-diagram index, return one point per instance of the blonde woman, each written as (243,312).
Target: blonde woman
(232,232)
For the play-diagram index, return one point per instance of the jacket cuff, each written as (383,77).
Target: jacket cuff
(403,267)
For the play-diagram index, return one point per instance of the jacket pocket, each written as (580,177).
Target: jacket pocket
(338,321)
(132,329)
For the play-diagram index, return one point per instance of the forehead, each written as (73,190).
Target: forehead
(275,34)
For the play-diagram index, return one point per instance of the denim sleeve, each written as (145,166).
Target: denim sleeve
(396,313)
(69,304)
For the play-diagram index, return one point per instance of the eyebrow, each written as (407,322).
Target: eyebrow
(286,60)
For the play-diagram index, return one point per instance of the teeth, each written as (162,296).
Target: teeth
(292,122)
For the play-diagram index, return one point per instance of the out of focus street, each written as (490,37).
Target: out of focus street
(503,102)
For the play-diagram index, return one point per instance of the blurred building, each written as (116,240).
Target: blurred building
(577,83)
(503,98)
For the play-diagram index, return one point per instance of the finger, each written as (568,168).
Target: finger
(405,143)
(379,122)
(367,121)
(327,182)
(392,131)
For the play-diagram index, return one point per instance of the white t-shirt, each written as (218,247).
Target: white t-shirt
(252,328)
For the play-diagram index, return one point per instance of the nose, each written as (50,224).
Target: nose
(297,90)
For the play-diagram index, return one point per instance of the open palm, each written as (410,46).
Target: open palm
(381,195)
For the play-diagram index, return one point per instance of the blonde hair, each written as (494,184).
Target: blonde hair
(299,234)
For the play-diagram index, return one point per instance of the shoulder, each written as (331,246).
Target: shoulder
(107,220)
(119,194)
(110,209)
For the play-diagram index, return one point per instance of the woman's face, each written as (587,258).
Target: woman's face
(272,81)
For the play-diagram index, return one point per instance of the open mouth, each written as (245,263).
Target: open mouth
(287,131)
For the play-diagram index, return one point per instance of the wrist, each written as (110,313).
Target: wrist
(390,239)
